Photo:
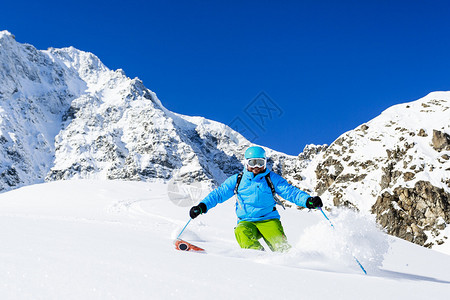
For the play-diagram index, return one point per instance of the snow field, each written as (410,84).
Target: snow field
(114,240)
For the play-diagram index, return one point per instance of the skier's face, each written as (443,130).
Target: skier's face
(256,171)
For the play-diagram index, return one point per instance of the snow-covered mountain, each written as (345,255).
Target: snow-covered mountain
(35,92)
(396,166)
(65,115)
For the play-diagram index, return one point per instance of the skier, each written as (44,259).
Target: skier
(256,190)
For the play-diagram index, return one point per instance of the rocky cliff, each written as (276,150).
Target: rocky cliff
(397,167)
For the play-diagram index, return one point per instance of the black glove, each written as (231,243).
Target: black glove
(314,202)
(197,210)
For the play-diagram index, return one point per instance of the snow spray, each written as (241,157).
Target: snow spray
(357,261)
(352,234)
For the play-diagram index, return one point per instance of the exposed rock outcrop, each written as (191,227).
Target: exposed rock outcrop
(415,213)
(440,141)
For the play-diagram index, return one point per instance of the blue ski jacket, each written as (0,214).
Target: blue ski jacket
(255,201)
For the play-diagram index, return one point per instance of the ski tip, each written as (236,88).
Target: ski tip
(182,245)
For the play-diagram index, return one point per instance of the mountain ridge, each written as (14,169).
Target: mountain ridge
(106,125)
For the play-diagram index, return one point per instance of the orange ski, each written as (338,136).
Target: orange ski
(182,245)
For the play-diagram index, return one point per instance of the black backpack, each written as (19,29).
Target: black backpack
(269,183)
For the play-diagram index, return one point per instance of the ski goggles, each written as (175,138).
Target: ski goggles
(256,162)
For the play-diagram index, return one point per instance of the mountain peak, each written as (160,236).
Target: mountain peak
(88,65)
(6,34)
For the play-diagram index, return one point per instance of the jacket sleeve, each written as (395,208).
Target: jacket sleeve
(288,191)
(219,195)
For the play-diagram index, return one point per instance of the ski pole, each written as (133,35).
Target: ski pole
(357,261)
(319,208)
(183,228)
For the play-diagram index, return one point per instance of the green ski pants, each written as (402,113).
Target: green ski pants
(248,234)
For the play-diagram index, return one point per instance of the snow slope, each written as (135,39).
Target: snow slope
(113,240)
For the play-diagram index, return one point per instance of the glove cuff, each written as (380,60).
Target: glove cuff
(309,203)
(203,208)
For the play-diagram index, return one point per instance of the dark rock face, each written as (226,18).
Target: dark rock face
(440,141)
(409,212)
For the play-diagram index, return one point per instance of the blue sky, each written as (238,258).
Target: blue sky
(286,73)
